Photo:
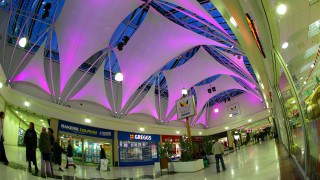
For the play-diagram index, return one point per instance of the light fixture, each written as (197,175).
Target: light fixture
(184,91)
(216,110)
(249,120)
(262,86)
(230,115)
(41,120)
(21,116)
(281,9)
(233,22)
(178,132)
(305,82)
(301,78)
(141,129)
(27,103)
(293,101)
(23,42)
(285,45)
(119,77)
(312,66)
(1,85)
(226,127)
(87,120)
(200,133)
(17,112)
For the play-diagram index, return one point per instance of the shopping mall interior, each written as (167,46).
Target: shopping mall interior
(157,85)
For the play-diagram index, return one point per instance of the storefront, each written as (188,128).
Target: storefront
(175,142)
(197,142)
(86,141)
(137,149)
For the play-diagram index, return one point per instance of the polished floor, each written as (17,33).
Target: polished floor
(261,161)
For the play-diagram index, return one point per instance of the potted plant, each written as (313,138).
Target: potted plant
(165,151)
(186,149)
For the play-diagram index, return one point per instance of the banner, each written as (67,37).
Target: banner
(185,107)
(84,130)
(234,109)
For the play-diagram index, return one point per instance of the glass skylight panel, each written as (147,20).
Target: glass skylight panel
(309,52)
(314,29)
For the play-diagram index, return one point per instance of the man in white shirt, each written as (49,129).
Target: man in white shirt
(218,150)
(3,157)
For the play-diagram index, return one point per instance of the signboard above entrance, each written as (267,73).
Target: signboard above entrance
(84,130)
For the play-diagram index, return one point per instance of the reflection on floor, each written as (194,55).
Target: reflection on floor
(260,161)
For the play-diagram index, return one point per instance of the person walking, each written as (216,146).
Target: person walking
(69,155)
(30,140)
(57,153)
(102,156)
(235,142)
(218,151)
(50,131)
(3,157)
(44,146)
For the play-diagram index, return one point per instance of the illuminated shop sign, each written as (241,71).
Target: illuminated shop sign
(254,31)
(138,137)
(84,130)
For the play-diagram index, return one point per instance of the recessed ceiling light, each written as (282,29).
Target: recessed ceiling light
(262,86)
(281,9)
(216,110)
(301,78)
(305,82)
(41,120)
(226,127)
(178,132)
(230,115)
(285,45)
(141,129)
(1,85)
(312,66)
(17,112)
(27,103)
(233,21)
(249,120)
(23,42)
(87,120)
(200,133)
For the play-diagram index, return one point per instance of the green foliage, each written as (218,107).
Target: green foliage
(186,149)
(207,145)
(165,149)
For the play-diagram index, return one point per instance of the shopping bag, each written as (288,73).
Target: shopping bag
(104,165)
(70,161)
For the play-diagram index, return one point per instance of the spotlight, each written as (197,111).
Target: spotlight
(213,89)
(239,57)
(120,46)
(119,77)
(216,110)
(184,91)
(229,99)
(209,91)
(46,9)
(281,9)
(125,39)
(22,43)
(225,100)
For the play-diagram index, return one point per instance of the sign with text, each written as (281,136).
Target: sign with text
(84,130)
(185,107)
(234,109)
(138,137)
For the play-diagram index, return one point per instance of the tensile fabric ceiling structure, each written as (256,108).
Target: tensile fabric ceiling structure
(75,48)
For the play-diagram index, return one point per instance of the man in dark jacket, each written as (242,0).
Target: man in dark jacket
(3,157)
(50,131)
(30,140)
(57,153)
(102,156)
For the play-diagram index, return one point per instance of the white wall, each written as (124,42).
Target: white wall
(11,128)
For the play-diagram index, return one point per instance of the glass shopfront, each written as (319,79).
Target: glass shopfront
(86,141)
(138,149)
(176,146)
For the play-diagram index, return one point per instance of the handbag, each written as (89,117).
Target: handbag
(104,165)
(70,161)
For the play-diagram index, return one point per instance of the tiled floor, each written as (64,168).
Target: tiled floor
(259,161)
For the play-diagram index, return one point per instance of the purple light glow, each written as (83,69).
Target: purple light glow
(147,105)
(84,30)
(163,40)
(34,71)
(198,68)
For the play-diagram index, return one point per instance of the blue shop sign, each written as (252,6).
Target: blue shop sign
(138,137)
(85,130)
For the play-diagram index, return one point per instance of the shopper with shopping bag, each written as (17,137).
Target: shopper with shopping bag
(70,161)
(103,164)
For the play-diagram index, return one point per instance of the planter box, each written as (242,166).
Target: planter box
(190,166)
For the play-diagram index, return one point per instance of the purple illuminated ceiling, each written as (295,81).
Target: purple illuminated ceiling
(194,6)
(85,28)
(94,90)
(147,105)
(198,68)
(156,42)
(34,71)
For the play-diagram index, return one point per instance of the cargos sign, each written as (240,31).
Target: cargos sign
(84,130)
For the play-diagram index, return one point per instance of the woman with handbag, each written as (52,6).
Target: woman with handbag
(57,153)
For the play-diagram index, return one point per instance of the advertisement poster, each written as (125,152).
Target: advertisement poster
(185,107)
(234,109)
